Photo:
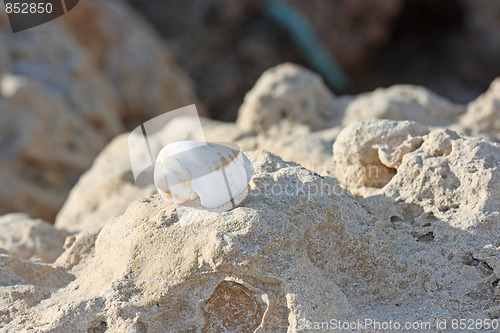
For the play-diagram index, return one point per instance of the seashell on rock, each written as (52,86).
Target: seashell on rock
(214,173)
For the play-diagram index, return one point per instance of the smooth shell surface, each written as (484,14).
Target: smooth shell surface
(217,174)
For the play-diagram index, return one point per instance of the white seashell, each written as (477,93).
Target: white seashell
(186,170)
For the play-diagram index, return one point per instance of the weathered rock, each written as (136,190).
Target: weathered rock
(367,154)
(289,93)
(78,248)
(295,143)
(31,239)
(403,102)
(48,139)
(66,93)
(455,178)
(219,131)
(297,252)
(108,187)
(483,115)
(311,150)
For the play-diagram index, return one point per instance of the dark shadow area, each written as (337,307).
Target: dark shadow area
(446,46)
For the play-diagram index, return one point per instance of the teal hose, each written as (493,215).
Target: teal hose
(308,42)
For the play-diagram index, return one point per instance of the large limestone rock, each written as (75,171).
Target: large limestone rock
(297,252)
(297,143)
(108,187)
(291,142)
(64,94)
(31,239)
(455,178)
(289,93)
(403,102)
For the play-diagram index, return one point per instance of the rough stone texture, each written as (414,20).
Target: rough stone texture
(292,143)
(421,241)
(367,154)
(403,102)
(24,285)
(66,92)
(38,169)
(289,93)
(30,239)
(298,250)
(311,150)
(108,187)
(483,115)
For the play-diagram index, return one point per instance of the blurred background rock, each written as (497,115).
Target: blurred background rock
(67,89)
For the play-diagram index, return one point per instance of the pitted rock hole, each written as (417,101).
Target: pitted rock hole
(98,327)
(233,308)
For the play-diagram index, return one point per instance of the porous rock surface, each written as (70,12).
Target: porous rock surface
(298,250)
(256,256)
(297,143)
(67,90)
(289,93)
